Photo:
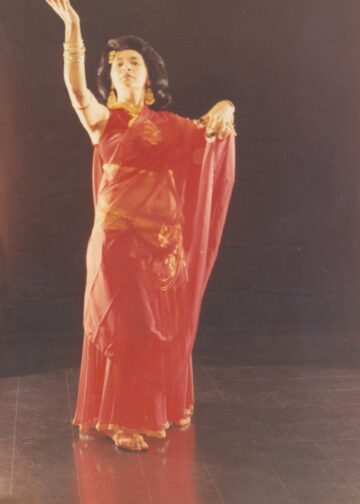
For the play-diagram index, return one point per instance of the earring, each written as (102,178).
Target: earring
(112,98)
(149,96)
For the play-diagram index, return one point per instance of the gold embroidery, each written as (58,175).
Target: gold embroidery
(156,246)
(166,270)
(148,239)
(150,132)
(111,169)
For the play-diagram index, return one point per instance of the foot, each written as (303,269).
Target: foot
(85,429)
(86,433)
(184,422)
(131,441)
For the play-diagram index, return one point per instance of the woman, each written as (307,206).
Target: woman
(161,188)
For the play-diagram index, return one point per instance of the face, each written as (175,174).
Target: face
(128,69)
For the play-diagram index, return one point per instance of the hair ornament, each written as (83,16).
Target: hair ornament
(112,55)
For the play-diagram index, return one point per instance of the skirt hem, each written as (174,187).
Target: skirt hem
(160,434)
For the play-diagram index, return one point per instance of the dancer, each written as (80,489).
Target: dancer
(161,190)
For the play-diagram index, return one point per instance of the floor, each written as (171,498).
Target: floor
(269,428)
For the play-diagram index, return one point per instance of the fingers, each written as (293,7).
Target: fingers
(61,7)
(212,124)
(202,121)
(55,4)
(217,126)
(64,10)
(68,5)
(220,130)
(232,129)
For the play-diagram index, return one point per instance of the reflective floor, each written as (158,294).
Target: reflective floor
(269,427)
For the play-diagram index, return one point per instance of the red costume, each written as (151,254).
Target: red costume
(161,195)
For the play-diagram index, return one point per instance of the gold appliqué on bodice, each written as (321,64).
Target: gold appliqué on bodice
(150,132)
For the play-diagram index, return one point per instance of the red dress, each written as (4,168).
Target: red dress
(161,195)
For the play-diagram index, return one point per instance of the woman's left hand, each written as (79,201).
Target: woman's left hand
(219,121)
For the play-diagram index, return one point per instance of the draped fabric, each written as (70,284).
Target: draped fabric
(161,195)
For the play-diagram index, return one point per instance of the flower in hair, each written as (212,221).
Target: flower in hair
(112,56)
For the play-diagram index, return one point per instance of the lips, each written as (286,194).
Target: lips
(127,75)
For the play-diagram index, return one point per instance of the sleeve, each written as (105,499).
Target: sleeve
(206,175)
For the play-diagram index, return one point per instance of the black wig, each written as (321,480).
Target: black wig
(154,63)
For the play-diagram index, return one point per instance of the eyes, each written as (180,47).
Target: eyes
(134,62)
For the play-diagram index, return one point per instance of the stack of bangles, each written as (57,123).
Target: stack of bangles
(74,52)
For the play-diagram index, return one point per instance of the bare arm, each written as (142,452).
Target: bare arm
(92,114)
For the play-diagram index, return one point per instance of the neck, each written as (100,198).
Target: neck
(132,97)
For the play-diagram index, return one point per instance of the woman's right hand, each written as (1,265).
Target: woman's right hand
(64,10)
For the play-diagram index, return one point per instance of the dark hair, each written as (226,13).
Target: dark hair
(154,63)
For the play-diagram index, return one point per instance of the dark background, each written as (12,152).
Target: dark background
(289,268)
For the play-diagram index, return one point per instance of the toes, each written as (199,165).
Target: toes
(140,443)
(130,442)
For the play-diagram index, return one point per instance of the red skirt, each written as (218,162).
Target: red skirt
(136,368)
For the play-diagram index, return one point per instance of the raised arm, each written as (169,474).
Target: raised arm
(92,114)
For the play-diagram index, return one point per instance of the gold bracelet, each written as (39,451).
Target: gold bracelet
(74,51)
(70,45)
(74,56)
(71,58)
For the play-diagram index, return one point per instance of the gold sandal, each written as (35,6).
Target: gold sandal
(186,420)
(130,441)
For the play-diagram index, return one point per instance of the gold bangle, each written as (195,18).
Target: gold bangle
(74,54)
(73,44)
(74,58)
(74,50)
